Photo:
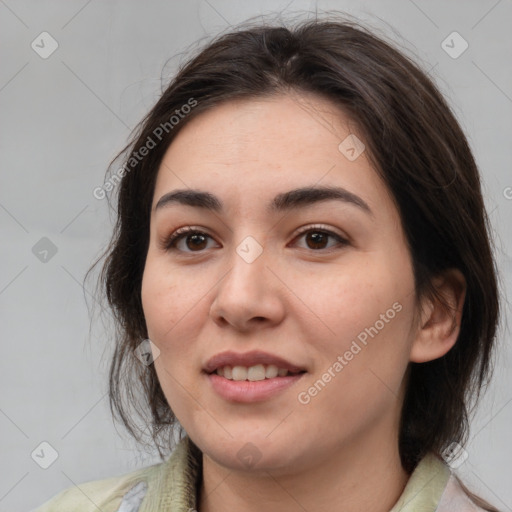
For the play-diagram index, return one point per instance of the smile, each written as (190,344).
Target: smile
(252,373)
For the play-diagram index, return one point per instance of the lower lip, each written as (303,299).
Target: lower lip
(247,391)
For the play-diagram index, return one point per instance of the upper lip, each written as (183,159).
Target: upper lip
(247,359)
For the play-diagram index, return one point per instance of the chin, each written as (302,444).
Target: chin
(251,451)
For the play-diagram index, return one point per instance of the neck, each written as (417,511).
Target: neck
(364,475)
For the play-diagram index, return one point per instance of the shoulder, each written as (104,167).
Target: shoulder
(105,495)
(147,489)
(455,498)
(434,486)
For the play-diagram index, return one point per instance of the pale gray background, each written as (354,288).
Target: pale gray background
(64,118)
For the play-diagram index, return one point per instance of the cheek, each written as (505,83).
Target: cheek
(364,314)
(172,305)
(170,314)
(365,384)
(165,299)
(155,296)
(353,297)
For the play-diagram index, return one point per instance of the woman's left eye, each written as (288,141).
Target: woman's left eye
(193,240)
(316,238)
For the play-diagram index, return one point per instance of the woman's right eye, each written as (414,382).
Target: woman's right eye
(188,238)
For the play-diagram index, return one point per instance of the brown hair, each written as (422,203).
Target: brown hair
(416,146)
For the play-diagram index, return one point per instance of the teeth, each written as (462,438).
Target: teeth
(251,373)
(239,373)
(271,371)
(256,372)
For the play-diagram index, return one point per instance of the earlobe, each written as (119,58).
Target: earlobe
(440,318)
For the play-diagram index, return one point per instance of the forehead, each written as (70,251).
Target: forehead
(259,147)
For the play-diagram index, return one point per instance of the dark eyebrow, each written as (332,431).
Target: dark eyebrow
(310,195)
(290,200)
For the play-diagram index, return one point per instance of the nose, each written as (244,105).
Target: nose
(250,295)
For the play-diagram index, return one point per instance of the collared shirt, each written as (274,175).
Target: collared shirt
(171,486)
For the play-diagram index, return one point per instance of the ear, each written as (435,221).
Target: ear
(440,318)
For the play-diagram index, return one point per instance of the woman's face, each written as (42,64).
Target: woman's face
(319,281)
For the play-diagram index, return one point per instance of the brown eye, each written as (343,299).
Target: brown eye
(318,239)
(197,241)
(191,240)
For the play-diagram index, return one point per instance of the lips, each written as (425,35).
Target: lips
(249,359)
(231,376)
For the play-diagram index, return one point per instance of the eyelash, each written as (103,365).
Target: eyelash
(169,243)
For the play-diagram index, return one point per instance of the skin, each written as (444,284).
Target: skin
(297,301)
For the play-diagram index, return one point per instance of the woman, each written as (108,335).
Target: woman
(302,277)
